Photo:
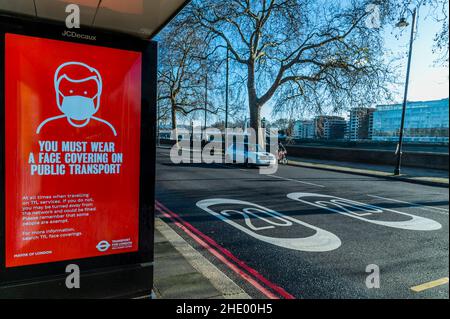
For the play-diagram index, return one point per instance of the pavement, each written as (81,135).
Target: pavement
(409,174)
(307,232)
(182,273)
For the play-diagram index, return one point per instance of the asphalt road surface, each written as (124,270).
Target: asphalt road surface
(309,233)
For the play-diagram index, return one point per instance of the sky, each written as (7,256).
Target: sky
(428,81)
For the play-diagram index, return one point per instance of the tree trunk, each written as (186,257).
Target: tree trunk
(253,105)
(255,120)
(174,120)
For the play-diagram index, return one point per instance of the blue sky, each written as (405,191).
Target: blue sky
(428,81)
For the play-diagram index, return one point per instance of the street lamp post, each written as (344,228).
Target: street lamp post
(206,99)
(227,87)
(158,125)
(404,23)
(206,103)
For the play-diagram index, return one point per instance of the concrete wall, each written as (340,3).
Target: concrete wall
(413,159)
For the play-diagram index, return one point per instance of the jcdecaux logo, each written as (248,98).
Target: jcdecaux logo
(73,34)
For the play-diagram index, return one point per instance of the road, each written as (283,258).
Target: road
(328,239)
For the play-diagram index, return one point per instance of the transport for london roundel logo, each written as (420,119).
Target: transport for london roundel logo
(103,246)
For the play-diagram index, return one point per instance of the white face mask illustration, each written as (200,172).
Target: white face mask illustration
(77,107)
(78,110)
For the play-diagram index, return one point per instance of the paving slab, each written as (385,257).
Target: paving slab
(181,272)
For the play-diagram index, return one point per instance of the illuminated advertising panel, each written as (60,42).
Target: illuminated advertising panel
(72,150)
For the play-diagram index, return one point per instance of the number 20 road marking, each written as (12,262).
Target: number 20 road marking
(361,211)
(322,240)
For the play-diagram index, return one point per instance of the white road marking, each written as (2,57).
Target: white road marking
(321,241)
(221,165)
(359,211)
(423,207)
(273,176)
(278,177)
(296,181)
(163,154)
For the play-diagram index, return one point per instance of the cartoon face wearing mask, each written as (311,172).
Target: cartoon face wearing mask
(79,110)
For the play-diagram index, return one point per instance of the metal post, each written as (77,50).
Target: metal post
(227,87)
(158,123)
(397,171)
(206,99)
(158,133)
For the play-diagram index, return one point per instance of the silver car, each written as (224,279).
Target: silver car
(249,154)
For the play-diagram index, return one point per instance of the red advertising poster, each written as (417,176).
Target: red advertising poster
(72,139)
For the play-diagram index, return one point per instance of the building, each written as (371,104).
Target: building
(330,127)
(360,124)
(426,122)
(304,129)
(370,135)
(334,129)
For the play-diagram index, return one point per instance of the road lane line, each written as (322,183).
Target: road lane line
(162,154)
(226,253)
(221,165)
(296,181)
(429,285)
(423,207)
(273,176)
(279,177)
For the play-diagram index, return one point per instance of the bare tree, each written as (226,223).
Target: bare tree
(183,71)
(441,43)
(318,52)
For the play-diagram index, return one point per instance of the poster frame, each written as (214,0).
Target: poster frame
(143,258)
